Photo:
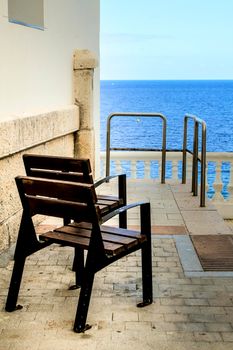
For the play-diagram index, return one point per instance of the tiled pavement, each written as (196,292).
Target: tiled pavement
(187,313)
(173,205)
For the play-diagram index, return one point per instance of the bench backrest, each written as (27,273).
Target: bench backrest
(58,168)
(58,198)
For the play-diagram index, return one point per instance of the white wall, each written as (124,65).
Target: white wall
(36,65)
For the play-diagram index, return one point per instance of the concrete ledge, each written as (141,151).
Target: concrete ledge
(188,257)
(29,131)
(190,261)
(51,132)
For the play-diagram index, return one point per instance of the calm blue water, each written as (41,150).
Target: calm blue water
(211,101)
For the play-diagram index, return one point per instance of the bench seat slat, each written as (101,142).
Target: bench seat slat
(109,203)
(106,236)
(62,238)
(103,209)
(106,197)
(74,240)
(106,206)
(123,231)
(113,230)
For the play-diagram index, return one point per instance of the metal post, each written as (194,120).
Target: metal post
(184,159)
(163,172)
(194,152)
(195,159)
(203,165)
(108,140)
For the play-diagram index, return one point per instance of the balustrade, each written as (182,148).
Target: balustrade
(147,165)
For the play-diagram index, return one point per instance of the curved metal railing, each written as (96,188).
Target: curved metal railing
(143,115)
(197,122)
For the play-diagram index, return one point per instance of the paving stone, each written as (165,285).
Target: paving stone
(187,309)
(212,310)
(5,347)
(192,313)
(40,307)
(197,302)
(178,326)
(150,317)
(125,316)
(224,318)
(143,326)
(172,301)
(208,337)
(134,341)
(227,336)
(180,336)
(226,301)
(202,318)
(176,318)
(218,327)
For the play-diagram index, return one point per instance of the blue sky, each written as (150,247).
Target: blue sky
(166,39)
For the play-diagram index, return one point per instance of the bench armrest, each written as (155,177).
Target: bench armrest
(107,178)
(145,216)
(121,186)
(121,210)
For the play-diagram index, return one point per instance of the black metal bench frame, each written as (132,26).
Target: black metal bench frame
(104,244)
(77,170)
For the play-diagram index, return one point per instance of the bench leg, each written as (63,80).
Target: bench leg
(83,303)
(122,194)
(147,288)
(78,267)
(13,292)
(123,220)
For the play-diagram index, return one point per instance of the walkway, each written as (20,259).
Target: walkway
(176,212)
(191,310)
(174,205)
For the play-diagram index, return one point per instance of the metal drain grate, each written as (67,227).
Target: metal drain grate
(215,252)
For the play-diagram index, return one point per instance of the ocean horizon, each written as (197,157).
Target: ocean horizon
(210,100)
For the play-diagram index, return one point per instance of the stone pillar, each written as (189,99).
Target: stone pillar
(84,64)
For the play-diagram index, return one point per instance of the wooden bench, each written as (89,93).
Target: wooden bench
(104,244)
(77,170)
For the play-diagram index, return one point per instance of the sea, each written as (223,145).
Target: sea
(210,100)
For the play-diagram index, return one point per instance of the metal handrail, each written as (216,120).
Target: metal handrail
(194,152)
(150,115)
(202,159)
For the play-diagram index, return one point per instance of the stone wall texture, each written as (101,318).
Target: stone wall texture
(51,133)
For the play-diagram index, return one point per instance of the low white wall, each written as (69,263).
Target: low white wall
(219,170)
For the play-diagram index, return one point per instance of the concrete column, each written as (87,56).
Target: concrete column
(84,64)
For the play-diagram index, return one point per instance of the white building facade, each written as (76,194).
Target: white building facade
(49,87)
